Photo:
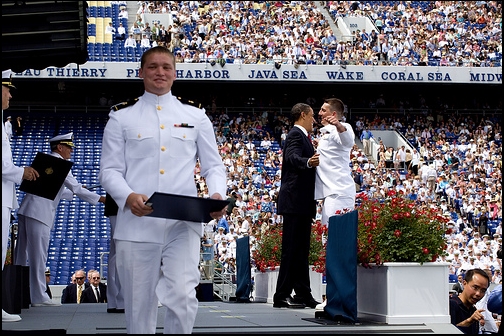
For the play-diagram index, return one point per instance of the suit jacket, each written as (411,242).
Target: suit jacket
(457,287)
(88,295)
(297,190)
(69,294)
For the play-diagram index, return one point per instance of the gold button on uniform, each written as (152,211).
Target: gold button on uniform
(161,171)
(139,135)
(162,126)
(159,108)
(163,148)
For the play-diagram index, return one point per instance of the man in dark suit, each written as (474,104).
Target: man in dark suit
(70,292)
(459,285)
(96,292)
(297,205)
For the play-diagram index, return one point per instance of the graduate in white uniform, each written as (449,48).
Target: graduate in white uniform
(334,183)
(152,145)
(36,219)
(11,175)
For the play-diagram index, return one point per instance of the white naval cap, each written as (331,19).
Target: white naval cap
(65,139)
(7,78)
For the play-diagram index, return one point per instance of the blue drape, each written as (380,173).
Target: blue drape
(243,273)
(341,267)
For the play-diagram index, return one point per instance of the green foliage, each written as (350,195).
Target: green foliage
(398,230)
(268,248)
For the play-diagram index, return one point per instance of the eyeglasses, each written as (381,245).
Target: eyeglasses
(80,278)
(479,289)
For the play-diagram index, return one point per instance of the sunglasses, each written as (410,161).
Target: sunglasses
(96,278)
(81,278)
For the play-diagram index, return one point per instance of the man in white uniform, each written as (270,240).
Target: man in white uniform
(153,145)
(334,183)
(11,175)
(8,127)
(36,219)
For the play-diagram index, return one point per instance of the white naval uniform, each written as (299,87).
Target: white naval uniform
(11,175)
(35,221)
(334,183)
(157,259)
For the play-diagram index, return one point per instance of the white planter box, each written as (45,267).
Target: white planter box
(404,293)
(265,285)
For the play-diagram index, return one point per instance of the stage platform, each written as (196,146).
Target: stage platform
(213,318)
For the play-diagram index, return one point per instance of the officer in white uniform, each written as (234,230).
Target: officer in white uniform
(36,219)
(11,175)
(334,183)
(152,145)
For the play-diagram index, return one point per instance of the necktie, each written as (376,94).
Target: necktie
(97,294)
(79,293)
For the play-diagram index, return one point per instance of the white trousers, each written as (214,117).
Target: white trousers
(333,203)
(114,295)
(167,272)
(32,249)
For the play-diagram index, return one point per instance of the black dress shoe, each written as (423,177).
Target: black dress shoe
(115,310)
(311,303)
(287,303)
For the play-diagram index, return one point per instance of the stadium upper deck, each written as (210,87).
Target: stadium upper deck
(307,41)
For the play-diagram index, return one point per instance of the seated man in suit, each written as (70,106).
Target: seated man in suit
(70,292)
(96,292)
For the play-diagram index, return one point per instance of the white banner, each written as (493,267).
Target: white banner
(260,72)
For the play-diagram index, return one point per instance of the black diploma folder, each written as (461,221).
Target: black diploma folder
(188,208)
(52,171)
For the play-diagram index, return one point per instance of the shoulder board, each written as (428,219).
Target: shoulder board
(127,103)
(189,102)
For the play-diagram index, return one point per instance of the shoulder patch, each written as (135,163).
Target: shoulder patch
(189,102)
(122,105)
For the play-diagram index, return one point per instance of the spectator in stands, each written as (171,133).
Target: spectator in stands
(145,42)
(123,14)
(121,32)
(110,29)
(11,175)
(73,292)
(136,32)
(130,42)
(96,292)
(124,173)
(36,219)
(464,314)
(366,137)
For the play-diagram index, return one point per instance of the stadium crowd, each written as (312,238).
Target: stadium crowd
(464,156)
(439,33)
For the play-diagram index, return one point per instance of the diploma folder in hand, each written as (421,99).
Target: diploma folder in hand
(52,170)
(188,208)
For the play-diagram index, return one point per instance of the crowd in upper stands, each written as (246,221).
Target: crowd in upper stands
(441,33)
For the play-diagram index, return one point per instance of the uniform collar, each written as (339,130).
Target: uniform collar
(152,98)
